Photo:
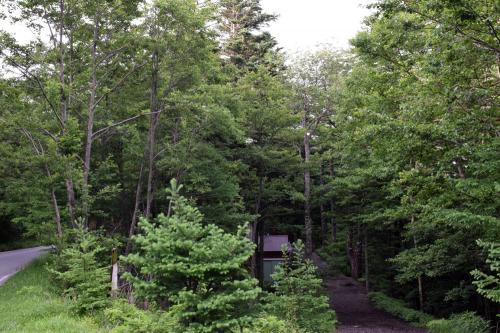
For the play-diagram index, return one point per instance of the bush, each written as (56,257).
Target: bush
(78,271)
(270,324)
(196,270)
(488,285)
(123,317)
(466,322)
(298,297)
(399,309)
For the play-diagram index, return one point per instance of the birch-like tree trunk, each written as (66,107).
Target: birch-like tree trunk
(153,122)
(64,99)
(90,118)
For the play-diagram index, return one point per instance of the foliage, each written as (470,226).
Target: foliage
(271,324)
(488,285)
(245,45)
(123,317)
(198,269)
(80,272)
(298,297)
(333,254)
(413,147)
(393,146)
(459,323)
(29,303)
(399,309)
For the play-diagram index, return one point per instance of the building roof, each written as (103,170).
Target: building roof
(273,243)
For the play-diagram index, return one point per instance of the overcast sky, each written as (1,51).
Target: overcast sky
(303,24)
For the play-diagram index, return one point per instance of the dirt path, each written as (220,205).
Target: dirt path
(357,315)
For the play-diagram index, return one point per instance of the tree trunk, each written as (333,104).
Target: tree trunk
(63,107)
(322,217)
(55,205)
(307,195)
(114,273)
(153,122)
(332,219)
(90,120)
(420,293)
(324,231)
(254,234)
(260,251)
(419,277)
(133,222)
(353,252)
(365,250)
(64,100)
(70,192)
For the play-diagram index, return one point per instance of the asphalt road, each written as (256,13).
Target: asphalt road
(13,261)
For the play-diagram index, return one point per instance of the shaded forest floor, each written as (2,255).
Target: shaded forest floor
(355,312)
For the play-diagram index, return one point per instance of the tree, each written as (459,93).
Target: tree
(244,45)
(297,297)
(314,78)
(415,140)
(488,285)
(197,269)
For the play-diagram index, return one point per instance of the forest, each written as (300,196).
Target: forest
(171,137)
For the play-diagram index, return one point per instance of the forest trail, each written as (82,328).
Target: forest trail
(355,312)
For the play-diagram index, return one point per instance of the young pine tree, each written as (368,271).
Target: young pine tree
(198,270)
(79,270)
(298,296)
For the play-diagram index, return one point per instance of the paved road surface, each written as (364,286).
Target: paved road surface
(13,261)
(357,315)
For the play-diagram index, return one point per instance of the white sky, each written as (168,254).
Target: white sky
(305,24)
(301,25)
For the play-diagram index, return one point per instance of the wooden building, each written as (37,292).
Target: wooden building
(272,255)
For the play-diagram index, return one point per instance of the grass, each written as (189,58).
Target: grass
(29,304)
(399,309)
(460,323)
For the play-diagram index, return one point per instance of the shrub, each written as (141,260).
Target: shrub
(298,297)
(123,317)
(270,324)
(79,273)
(399,309)
(198,270)
(488,285)
(466,322)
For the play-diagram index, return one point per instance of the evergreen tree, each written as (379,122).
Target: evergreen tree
(298,294)
(197,269)
(244,44)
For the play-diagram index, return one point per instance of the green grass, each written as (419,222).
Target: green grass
(460,323)
(399,309)
(29,304)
